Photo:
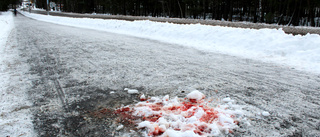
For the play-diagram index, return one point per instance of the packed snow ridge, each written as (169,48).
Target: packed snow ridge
(15,115)
(269,45)
(192,116)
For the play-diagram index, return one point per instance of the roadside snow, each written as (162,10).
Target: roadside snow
(15,116)
(270,45)
(6,23)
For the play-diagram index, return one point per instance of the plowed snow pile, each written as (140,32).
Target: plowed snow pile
(269,45)
(193,116)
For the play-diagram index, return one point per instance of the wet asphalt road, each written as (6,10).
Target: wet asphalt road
(73,71)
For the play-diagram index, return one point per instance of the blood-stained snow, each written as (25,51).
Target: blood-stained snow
(270,45)
(191,116)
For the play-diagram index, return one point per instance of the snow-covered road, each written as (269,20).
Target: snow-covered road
(73,70)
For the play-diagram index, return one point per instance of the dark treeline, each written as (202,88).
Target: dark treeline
(6,4)
(282,12)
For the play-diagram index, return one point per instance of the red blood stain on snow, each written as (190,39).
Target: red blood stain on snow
(188,127)
(156,106)
(186,108)
(124,109)
(152,118)
(143,99)
(157,131)
(173,108)
(209,116)
(125,114)
(201,129)
(190,107)
(193,100)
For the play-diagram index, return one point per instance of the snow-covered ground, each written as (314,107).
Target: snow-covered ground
(269,45)
(6,23)
(15,116)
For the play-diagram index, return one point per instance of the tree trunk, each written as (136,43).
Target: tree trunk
(255,16)
(181,13)
(230,10)
(311,13)
(226,10)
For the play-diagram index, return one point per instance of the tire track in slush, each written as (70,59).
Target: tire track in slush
(52,74)
(45,63)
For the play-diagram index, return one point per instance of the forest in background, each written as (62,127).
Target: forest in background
(282,12)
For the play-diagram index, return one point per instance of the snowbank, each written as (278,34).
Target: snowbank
(6,24)
(270,45)
(15,116)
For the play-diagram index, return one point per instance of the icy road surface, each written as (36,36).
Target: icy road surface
(74,70)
